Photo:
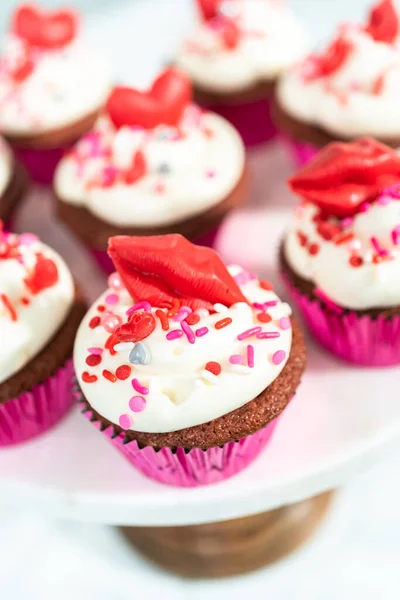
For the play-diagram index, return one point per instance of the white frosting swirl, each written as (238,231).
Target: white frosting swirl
(28,320)
(370,285)
(188,170)
(181,393)
(6,162)
(271,39)
(64,86)
(359,98)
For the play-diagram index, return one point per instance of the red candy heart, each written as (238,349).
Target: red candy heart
(137,170)
(44,275)
(163,104)
(208,8)
(344,175)
(383,23)
(138,328)
(166,268)
(45,29)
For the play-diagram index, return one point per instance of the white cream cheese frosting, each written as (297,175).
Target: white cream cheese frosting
(177,384)
(359,98)
(187,170)
(36,294)
(359,268)
(6,165)
(64,86)
(270,40)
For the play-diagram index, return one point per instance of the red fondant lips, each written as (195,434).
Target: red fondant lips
(162,105)
(343,176)
(163,269)
(45,29)
(208,8)
(383,24)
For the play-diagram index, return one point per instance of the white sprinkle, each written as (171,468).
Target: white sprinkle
(124,347)
(220,308)
(210,377)
(202,312)
(241,369)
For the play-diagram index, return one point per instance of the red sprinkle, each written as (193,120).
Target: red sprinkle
(174,309)
(264,317)
(93,360)
(213,367)
(88,378)
(163,319)
(110,376)
(302,238)
(223,323)
(25,301)
(356,261)
(192,319)
(8,306)
(94,322)
(378,258)
(342,239)
(101,308)
(123,372)
(266,285)
(313,249)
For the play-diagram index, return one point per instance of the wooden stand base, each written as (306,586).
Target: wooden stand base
(230,547)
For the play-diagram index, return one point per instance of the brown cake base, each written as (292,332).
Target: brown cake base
(231,547)
(313,134)
(258,91)
(95,233)
(14,193)
(53,355)
(235,425)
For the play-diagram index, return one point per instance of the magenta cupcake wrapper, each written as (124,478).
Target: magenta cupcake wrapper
(40,164)
(361,340)
(34,412)
(252,120)
(301,152)
(195,467)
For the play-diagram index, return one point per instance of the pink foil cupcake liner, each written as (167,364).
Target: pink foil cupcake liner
(301,152)
(361,340)
(193,468)
(36,411)
(40,164)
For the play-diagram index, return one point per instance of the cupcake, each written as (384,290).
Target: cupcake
(153,164)
(234,57)
(340,258)
(51,87)
(186,364)
(40,310)
(351,89)
(13,184)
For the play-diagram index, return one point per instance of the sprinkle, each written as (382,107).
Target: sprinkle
(223,323)
(115,283)
(93,360)
(9,307)
(268,335)
(345,237)
(330,303)
(241,369)
(211,173)
(174,309)
(213,367)
(250,356)
(284,323)
(108,375)
(188,332)
(313,249)
(266,285)
(123,372)
(236,359)
(140,354)
(25,301)
(248,333)
(202,312)
(302,238)
(202,331)
(210,377)
(377,247)
(182,313)
(265,305)
(146,306)
(137,404)
(110,322)
(365,206)
(111,299)
(94,322)
(141,389)
(347,222)
(278,357)
(244,277)
(125,421)
(192,319)
(95,350)
(174,334)
(395,235)
(163,319)
(88,378)
(159,188)
(124,346)
(101,308)
(264,317)
(220,308)
(384,200)
(356,261)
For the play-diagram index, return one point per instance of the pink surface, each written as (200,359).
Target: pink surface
(301,152)
(40,164)
(197,467)
(34,412)
(361,340)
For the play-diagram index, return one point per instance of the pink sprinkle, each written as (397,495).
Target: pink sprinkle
(137,404)
(330,303)
(284,323)
(364,207)
(182,313)
(265,305)
(144,304)
(395,235)
(236,359)
(111,299)
(384,200)
(202,331)
(189,332)
(139,388)
(125,421)
(347,222)
(95,350)
(174,334)
(250,356)
(248,333)
(114,282)
(244,277)
(26,239)
(377,247)
(210,174)
(278,357)
(268,335)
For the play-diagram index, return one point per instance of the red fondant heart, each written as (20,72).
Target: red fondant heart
(139,327)
(162,105)
(45,29)
(383,24)
(163,269)
(43,276)
(208,8)
(343,176)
